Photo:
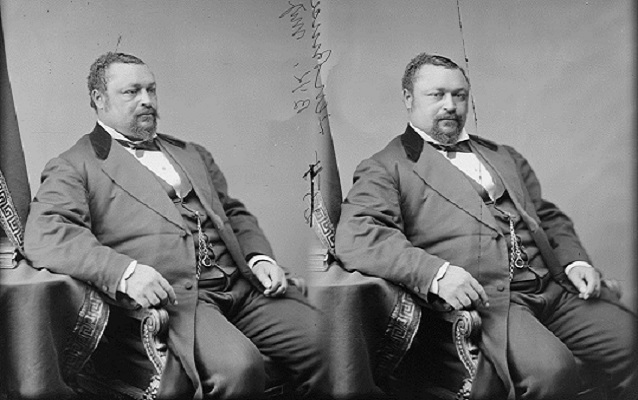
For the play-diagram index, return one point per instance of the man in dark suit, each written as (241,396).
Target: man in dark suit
(454,217)
(146,218)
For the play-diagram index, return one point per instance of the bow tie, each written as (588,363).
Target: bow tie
(150,145)
(461,147)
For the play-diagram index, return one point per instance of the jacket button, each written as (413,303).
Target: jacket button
(182,233)
(105,288)
(188,285)
(500,287)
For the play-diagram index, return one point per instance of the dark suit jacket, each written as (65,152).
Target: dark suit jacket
(410,210)
(98,209)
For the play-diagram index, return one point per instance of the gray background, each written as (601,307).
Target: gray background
(553,79)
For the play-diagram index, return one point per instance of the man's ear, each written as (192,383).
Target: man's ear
(407,99)
(99,98)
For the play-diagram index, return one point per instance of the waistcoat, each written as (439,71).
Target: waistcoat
(500,208)
(223,264)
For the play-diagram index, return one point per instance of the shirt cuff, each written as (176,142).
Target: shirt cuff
(577,264)
(127,274)
(259,257)
(434,287)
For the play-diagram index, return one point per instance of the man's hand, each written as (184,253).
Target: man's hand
(460,290)
(272,277)
(149,288)
(587,281)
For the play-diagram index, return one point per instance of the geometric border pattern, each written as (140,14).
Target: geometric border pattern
(398,336)
(86,335)
(324,228)
(9,218)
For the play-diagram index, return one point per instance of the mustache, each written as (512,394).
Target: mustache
(453,117)
(149,111)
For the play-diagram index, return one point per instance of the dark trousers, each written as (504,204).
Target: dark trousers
(548,329)
(234,327)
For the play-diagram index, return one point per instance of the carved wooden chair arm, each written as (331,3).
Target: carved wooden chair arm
(153,333)
(154,330)
(466,328)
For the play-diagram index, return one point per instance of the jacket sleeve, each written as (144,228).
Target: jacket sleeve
(558,227)
(58,232)
(245,225)
(370,235)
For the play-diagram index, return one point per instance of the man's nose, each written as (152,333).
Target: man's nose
(147,99)
(448,103)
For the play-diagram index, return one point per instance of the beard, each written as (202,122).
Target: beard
(144,131)
(446,137)
(137,128)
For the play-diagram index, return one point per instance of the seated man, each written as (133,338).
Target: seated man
(146,218)
(452,216)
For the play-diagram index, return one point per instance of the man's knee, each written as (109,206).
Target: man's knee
(557,378)
(302,354)
(240,376)
(246,369)
(617,358)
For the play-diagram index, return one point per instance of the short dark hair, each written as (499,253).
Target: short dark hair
(426,59)
(97,73)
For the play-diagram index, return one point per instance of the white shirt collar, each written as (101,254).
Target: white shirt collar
(115,134)
(463,136)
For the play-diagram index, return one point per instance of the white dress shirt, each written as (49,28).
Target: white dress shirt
(156,161)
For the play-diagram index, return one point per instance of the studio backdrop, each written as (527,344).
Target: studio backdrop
(266,86)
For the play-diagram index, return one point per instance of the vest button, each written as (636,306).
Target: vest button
(182,233)
(188,285)
(500,287)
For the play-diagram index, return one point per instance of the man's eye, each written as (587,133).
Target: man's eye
(461,96)
(437,95)
(130,91)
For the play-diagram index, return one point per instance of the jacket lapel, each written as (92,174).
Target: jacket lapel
(196,172)
(133,177)
(447,180)
(191,164)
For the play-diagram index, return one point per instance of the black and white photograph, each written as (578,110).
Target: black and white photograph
(318,199)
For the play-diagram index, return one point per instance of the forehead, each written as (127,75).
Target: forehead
(437,77)
(119,75)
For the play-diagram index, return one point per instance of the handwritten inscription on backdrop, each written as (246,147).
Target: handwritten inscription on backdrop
(308,91)
(308,87)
